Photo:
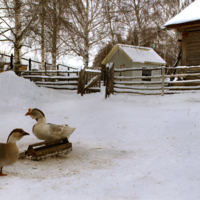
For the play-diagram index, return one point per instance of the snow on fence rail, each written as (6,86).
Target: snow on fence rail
(152,85)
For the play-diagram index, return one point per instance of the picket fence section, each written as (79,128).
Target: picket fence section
(153,85)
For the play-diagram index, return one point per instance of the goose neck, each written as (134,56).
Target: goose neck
(41,120)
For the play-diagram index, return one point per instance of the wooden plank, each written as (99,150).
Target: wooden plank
(192,47)
(184,52)
(136,92)
(193,53)
(137,88)
(183,81)
(52,77)
(138,83)
(163,79)
(111,80)
(192,41)
(107,79)
(136,69)
(79,82)
(137,77)
(94,89)
(61,87)
(49,71)
(83,82)
(193,33)
(57,83)
(92,81)
(182,75)
(184,67)
(193,58)
(193,63)
(193,37)
(183,88)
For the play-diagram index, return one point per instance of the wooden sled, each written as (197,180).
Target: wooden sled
(44,150)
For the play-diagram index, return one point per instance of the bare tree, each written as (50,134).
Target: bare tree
(17,21)
(54,11)
(86,26)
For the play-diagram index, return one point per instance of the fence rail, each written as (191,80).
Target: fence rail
(84,81)
(30,61)
(147,85)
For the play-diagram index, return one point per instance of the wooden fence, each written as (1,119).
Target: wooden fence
(84,81)
(185,79)
(29,63)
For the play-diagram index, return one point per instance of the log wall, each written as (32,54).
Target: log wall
(191,46)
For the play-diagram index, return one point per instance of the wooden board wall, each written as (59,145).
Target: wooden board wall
(192,48)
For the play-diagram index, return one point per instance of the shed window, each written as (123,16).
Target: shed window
(146,72)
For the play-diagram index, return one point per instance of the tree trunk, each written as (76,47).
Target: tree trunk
(17,44)
(54,39)
(42,38)
(137,13)
(86,39)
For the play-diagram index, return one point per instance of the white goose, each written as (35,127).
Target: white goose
(48,132)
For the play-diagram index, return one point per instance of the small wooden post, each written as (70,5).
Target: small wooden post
(11,61)
(58,70)
(83,82)
(104,77)
(79,82)
(107,78)
(45,67)
(184,45)
(29,64)
(68,74)
(163,80)
(111,80)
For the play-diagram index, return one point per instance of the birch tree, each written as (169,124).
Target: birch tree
(86,27)
(18,19)
(55,10)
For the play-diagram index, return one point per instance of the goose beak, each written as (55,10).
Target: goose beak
(25,133)
(29,112)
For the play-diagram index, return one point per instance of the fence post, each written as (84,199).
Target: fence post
(104,77)
(68,74)
(79,82)
(107,78)
(111,80)
(45,68)
(163,80)
(11,61)
(29,64)
(58,70)
(83,82)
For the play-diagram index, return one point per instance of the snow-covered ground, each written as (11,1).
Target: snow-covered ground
(126,147)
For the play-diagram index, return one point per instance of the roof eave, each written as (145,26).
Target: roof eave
(180,25)
(107,58)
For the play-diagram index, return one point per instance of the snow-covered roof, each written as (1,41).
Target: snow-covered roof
(136,54)
(189,14)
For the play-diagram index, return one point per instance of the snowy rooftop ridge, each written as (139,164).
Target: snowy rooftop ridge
(142,54)
(189,14)
(136,54)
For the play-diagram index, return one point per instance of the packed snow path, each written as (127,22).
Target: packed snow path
(125,147)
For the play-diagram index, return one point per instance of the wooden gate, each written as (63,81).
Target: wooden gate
(89,81)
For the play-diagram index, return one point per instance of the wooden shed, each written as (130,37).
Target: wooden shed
(187,23)
(128,56)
